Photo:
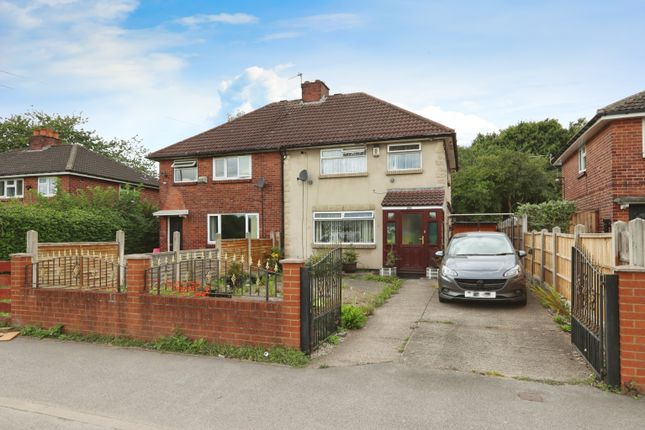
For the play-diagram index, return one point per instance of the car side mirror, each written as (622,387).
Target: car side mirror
(521,253)
(439,254)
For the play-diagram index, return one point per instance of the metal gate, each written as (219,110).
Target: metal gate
(320,300)
(594,317)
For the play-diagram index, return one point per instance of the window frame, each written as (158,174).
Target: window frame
(343,149)
(51,181)
(232,178)
(184,164)
(582,159)
(391,149)
(14,186)
(342,216)
(219,224)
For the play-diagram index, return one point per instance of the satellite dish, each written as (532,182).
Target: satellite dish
(303,175)
(261,182)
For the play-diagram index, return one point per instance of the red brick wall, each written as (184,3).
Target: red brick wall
(631,302)
(628,169)
(140,315)
(222,197)
(615,167)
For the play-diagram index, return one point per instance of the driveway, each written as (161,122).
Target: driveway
(501,340)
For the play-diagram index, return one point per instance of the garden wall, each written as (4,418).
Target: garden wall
(140,315)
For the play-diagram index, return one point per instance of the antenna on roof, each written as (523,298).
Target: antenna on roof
(298,74)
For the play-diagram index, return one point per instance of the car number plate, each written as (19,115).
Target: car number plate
(480,294)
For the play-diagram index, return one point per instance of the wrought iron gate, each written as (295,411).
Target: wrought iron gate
(320,300)
(594,316)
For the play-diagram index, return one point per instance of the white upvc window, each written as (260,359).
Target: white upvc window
(47,186)
(403,156)
(352,228)
(233,226)
(343,160)
(582,159)
(237,167)
(185,170)
(11,188)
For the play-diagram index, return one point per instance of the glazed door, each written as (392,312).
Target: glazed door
(175,223)
(414,236)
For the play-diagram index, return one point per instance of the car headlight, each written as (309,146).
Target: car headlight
(448,272)
(513,271)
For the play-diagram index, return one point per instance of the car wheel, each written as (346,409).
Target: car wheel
(523,301)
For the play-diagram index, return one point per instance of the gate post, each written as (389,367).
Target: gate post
(612,329)
(292,268)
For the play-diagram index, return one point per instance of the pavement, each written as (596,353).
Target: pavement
(67,385)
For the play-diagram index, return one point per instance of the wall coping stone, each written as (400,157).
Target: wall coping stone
(292,261)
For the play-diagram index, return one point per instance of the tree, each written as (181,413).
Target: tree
(496,179)
(15,131)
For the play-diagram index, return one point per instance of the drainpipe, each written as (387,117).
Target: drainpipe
(283,154)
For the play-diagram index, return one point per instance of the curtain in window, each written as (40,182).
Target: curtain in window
(404,160)
(331,166)
(344,231)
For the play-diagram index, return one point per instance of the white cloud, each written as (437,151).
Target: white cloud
(467,126)
(282,35)
(224,18)
(257,86)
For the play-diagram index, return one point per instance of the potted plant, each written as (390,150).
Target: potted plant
(389,264)
(349,260)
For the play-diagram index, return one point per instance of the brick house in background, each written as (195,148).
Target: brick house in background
(240,178)
(603,165)
(47,165)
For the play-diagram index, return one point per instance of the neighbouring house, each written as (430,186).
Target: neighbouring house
(47,166)
(603,165)
(324,170)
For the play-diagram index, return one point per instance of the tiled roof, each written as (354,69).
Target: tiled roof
(340,118)
(72,159)
(414,197)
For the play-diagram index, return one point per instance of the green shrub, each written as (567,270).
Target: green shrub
(546,215)
(352,317)
(349,256)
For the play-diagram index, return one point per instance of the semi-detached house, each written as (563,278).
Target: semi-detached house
(323,170)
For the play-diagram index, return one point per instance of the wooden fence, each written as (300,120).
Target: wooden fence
(549,253)
(514,227)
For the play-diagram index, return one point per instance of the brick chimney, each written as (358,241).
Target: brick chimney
(314,91)
(43,138)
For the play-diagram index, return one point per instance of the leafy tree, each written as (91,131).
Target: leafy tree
(553,213)
(15,131)
(497,179)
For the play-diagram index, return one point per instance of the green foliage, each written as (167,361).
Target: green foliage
(549,214)
(551,299)
(180,343)
(349,256)
(15,131)
(86,216)
(352,317)
(390,258)
(333,340)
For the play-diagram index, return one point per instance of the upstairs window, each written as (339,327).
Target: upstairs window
(185,170)
(343,160)
(238,167)
(47,186)
(10,188)
(582,159)
(405,156)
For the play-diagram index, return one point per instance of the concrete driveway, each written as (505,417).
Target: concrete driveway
(502,340)
(496,339)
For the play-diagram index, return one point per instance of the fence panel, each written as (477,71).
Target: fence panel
(75,272)
(599,247)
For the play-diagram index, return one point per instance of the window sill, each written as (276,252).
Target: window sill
(404,172)
(232,181)
(336,245)
(581,174)
(343,175)
(184,184)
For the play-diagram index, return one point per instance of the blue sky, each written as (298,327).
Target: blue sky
(165,70)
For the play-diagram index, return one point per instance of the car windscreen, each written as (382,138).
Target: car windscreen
(480,245)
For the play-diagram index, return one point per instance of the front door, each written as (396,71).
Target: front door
(175,224)
(414,236)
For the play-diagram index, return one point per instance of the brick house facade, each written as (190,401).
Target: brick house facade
(47,166)
(603,166)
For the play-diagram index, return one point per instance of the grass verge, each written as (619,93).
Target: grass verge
(179,343)
(354,317)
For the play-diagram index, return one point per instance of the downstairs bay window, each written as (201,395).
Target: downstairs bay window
(351,228)
(233,226)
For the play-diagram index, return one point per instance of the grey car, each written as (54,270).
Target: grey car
(481,266)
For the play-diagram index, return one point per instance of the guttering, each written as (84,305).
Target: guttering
(589,130)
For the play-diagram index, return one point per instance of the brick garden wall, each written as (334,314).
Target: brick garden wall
(631,302)
(222,197)
(140,315)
